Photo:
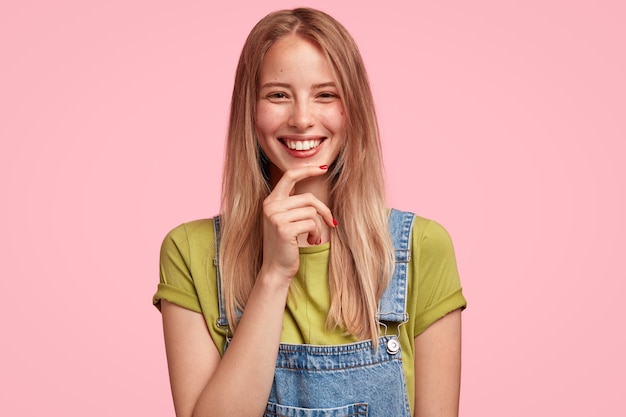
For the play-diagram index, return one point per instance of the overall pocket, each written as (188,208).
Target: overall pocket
(351,410)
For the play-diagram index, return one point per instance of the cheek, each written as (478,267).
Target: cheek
(333,118)
(340,120)
(267,119)
(260,114)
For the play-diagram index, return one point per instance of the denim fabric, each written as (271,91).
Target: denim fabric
(353,379)
(349,410)
(400,227)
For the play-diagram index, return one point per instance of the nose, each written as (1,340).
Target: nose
(302,116)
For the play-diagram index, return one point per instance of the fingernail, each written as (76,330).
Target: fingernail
(323,166)
(335,222)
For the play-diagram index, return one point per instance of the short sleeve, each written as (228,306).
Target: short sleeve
(439,289)
(176,283)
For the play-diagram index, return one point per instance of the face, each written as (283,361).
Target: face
(299,114)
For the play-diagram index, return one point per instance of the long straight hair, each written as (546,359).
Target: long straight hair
(361,255)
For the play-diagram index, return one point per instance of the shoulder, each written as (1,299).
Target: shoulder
(431,249)
(430,236)
(426,233)
(434,285)
(187,238)
(193,229)
(186,274)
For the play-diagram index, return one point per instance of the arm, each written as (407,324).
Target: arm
(240,382)
(191,355)
(438,368)
(204,385)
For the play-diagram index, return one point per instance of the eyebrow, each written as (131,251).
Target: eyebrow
(285,85)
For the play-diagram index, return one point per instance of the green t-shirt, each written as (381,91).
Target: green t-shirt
(188,279)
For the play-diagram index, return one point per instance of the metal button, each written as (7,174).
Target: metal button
(393,346)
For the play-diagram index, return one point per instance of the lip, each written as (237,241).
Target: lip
(302,153)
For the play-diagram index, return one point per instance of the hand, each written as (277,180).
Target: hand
(285,216)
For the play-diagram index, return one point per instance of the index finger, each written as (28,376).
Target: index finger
(291,177)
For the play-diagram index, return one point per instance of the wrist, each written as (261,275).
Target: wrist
(273,280)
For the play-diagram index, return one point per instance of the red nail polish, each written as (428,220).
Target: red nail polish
(335,222)
(323,166)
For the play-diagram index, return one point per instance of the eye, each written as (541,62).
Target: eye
(277,96)
(327,96)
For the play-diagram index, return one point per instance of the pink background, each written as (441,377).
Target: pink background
(504,121)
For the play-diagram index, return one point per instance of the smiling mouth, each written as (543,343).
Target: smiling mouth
(302,145)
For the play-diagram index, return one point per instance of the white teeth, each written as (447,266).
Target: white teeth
(302,145)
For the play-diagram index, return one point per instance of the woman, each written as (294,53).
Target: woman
(260,315)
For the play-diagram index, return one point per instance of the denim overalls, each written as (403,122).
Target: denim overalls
(352,379)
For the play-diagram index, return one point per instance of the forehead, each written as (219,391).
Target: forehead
(293,56)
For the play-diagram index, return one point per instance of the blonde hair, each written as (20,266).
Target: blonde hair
(361,255)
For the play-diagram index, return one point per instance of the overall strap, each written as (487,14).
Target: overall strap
(392,306)
(221,320)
